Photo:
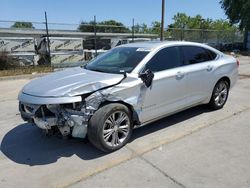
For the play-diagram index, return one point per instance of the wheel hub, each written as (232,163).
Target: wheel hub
(116,128)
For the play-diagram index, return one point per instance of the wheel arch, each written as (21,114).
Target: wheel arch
(134,115)
(226,78)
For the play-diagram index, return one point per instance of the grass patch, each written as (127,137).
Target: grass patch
(26,70)
(11,67)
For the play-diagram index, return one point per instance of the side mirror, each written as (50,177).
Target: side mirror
(147,77)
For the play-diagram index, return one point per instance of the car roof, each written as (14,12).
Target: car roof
(157,44)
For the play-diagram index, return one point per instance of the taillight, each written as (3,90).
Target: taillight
(238,63)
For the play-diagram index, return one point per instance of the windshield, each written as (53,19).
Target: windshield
(118,60)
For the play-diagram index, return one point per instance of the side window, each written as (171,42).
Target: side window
(212,54)
(166,58)
(194,54)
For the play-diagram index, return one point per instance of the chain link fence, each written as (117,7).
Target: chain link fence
(195,35)
(71,43)
(224,40)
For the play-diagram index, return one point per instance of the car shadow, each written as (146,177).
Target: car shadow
(25,144)
(169,121)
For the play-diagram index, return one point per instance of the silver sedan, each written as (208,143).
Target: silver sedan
(127,87)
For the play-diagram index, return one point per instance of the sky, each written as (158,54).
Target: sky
(74,11)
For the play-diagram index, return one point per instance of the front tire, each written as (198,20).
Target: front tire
(220,95)
(110,127)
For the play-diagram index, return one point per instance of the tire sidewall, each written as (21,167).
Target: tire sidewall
(106,111)
(212,101)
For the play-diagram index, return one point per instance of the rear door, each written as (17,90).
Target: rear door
(168,91)
(199,67)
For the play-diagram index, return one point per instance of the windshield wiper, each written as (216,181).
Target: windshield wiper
(84,66)
(92,69)
(97,70)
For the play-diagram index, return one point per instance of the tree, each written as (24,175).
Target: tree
(24,25)
(238,12)
(182,21)
(86,26)
(141,28)
(156,27)
(199,29)
(222,25)
(112,26)
(144,28)
(108,26)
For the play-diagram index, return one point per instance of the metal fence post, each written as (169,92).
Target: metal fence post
(133,29)
(233,40)
(182,33)
(47,34)
(95,36)
(246,36)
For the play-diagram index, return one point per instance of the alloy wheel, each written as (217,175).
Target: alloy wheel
(221,92)
(116,128)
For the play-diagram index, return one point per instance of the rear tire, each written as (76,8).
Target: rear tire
(110,127)
(220,95)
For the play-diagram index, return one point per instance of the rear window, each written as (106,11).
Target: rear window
(212,54)
(195,54)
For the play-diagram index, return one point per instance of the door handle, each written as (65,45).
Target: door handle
(209,68)
(179,75)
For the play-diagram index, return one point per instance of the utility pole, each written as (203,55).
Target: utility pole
(95,36)
(162,19)
(47,36)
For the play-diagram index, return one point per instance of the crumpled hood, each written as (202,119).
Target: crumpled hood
(70,82)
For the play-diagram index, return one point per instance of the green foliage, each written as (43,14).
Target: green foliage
(6,62)
(24,25)
(156,27)
(86,26)
(238,11)
(109,26)
(185,27)
(182,21)
(199,29)
(222,25)
(141,28)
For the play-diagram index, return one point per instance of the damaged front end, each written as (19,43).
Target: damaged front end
(70,115)
(68,118)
